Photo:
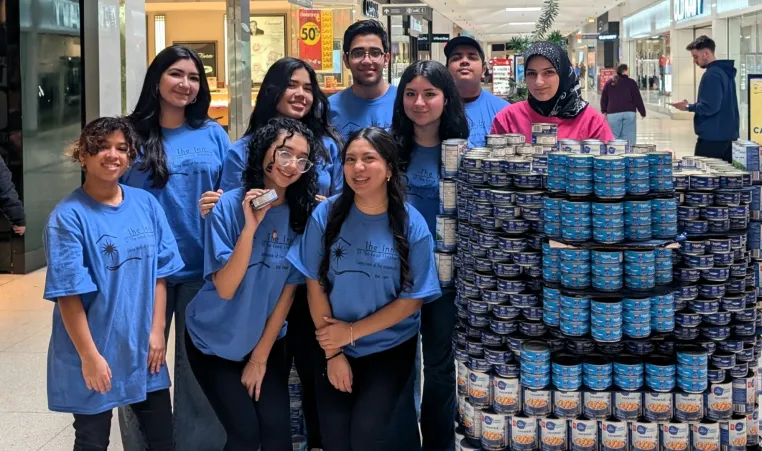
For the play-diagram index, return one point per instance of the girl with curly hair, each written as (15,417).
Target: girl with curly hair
(109,249)
(236,328)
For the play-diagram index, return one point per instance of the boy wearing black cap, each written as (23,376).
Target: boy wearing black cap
(465,61)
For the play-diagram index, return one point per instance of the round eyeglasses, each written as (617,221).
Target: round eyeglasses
(286,159)
(358,55)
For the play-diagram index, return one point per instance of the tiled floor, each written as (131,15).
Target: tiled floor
(26,423)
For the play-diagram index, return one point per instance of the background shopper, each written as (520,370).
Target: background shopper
(236,326)
(109,249)
(370,99)
(554,97)
(620,100)
(716,118)
(10,204)
(366,301)
(180,157)
(427,111)
(465,61)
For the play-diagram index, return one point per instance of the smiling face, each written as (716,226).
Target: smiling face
(297,99)
(366,59)
(180,83)
(111,161)
(466,65)
(364,169)
(275,173)
(423,102)
(542,78)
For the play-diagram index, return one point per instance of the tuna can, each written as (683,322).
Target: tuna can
(694,199)
(593,147)
(718,225)
(511,286)
(553,434)
(723,259)
(567,404)
(447,232)
(675,436)
(704,182)
(716,375)
(445,268)
(682,181)
(658,406)
(596,405)
(685,212)
(448,197)
(716,274)
(689,407)
(494,431)
(699,261)
(584,435)
(502,198)
(537,403)
(728,198)
(523,433)
(644,436)
(714,213)
(659,158)
(636,161)
(706,436)
(506,395)
(509,370)
(740,370)
(712,291)
(616,270)
(744,329)
(628,383)
(719,401)
(692,385)
(691,355)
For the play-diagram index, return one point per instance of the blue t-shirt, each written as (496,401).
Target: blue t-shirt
(194,161)
(230,329)
(365,271)
(423,183)
(349,112)
(480,113)
(330,173)
(110,257)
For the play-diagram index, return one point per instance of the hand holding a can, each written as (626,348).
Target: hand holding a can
(254,215)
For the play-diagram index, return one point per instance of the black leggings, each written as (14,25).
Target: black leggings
(91,432)
(359,421)
(248,424)
(303,347)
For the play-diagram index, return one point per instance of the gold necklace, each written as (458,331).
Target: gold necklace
(371,208)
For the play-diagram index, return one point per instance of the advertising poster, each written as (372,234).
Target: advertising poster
(207,51)
(755,108)
(502,72)
(268,44)
(316,38)
(604,76)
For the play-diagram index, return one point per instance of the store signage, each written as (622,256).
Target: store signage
(415,27)
(423,11)
(370,9)
(316,38)
(755,107)
(207,51)
(502,72)
(435,38)
(608,37)
(687,9)
(302,3)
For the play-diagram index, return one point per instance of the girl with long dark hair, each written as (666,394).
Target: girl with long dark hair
(109,249)
(427,111)
(368,259)
(180,157)
(554,97)
(236,324)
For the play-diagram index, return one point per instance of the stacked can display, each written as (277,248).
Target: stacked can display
(298,438)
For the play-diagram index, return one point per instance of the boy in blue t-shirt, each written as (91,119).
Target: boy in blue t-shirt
(370,99)
(109,249)
(465,61)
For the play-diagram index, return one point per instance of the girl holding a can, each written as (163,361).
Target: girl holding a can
(554,98)
(236,328)
(368,259)
(428,110)
(109,249)
(180,157)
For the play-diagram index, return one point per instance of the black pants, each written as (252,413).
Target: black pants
(248,424)
(360,421)
(91,432)
(715,149)
(438,403)
(303,348)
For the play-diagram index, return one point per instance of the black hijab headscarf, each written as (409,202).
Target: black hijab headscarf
(568,102)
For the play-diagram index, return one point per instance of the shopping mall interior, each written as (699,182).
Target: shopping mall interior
(67,62)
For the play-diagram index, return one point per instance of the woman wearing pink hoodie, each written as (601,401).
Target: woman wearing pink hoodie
(554,97)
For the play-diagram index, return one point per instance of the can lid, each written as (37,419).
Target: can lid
(535,346)
(694,350)
(609,157)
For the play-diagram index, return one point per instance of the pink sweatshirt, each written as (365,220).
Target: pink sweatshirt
(519,117)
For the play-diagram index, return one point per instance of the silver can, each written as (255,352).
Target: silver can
(445,268)
(452,150)
(448,197)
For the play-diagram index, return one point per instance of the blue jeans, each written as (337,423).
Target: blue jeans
(624,125)
(196,426)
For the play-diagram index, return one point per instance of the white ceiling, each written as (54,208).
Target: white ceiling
(489,21)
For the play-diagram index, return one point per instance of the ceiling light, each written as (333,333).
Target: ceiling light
(523,9)
(520,23)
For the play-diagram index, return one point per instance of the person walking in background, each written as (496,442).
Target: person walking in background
(10,205)
(619,101)
(465,61)
(716,119)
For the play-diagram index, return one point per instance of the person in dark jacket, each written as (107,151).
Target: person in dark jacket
(10,205)
(619,102)
(716,119)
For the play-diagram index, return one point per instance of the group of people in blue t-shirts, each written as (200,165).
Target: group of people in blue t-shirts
(335,272)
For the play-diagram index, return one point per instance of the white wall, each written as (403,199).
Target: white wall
(441,24)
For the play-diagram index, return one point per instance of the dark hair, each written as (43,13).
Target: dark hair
(364,28)
(453,123)
(91,139)
(701,43)
(274,84)
(145,118)
(386,147)
(300,195)
(620,70)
